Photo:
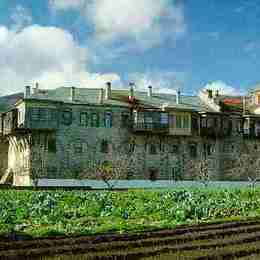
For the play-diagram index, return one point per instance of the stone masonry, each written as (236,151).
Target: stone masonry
(56,133)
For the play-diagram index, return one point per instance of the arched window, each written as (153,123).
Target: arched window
(108,119)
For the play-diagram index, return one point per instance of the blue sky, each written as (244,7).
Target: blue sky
(169,44)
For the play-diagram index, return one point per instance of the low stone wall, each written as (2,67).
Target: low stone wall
(140,183)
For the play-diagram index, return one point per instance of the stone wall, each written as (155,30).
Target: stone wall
(3,156)
(19,156)
(65,151)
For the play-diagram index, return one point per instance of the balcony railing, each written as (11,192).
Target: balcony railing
(251,133)
(150,127)
(214,132)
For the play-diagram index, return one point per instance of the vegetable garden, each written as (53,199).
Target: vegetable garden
(72,213)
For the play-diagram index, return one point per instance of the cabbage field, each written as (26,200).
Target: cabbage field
(46,213)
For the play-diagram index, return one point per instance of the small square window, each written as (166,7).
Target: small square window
(174,149)
(67,117)
(78,148)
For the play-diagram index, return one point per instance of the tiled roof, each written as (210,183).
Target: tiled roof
(120,98)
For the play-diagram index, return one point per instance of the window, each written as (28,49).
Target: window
(209,150)
(164,119)
(52,144)
(186,121)
(108,119)
(178,121)
(78,146)
(94,120)
(174,149)
(171,120)
(131,147)
(67,117)
(39,114)
(210,122)
(104,146)
(84,119)
(162,146)
(124,119)
(43,114)
(230,126)
(35,114)
(258,99)
(176,174)
(193,150)
(153,149)
(153,174)
(203,122)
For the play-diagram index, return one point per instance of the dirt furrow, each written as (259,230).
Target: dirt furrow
(171,235)
(162,246)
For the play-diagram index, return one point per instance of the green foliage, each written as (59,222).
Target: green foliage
(77,212)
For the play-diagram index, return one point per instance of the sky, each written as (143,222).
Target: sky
(169,44)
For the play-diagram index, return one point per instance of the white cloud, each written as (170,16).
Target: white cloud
(48,55)
(223,88)
(144,23)
(20,17)
(161,81)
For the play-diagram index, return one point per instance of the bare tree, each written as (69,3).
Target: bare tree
(38,162)
(112,167)
(109,171)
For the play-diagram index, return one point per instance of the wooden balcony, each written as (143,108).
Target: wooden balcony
(214,132)
(150,127)
(251,134)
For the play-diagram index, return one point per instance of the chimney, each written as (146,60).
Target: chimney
(131,84)
(108,91)
(178,97)
(36,88)
(101,96)
(150,91)
(27,93)
(72,94)
(210,93)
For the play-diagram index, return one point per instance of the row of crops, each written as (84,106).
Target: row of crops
(43,213)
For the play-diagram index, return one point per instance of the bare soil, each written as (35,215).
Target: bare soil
(229,240)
